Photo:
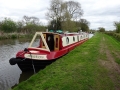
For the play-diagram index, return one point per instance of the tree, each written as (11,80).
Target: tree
(117,25)
(31,24)
(0,25)
(54,26)
(92,31)
(31,20)
(83,24)
(74,9)
(101,29)
(20,26)
(54,14)
(69,25)
(64,13)
(8,25)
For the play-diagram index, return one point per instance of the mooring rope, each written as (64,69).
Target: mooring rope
(26,50)
(32,63)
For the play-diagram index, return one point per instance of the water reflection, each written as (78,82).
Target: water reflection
(9,75)
(91,35)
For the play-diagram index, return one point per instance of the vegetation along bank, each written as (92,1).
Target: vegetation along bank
(93,65)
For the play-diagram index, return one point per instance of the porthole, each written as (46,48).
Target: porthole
(67,40)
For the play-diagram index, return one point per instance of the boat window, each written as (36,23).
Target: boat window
(49,37)
(50,41)
(74,39)
(45,39)
(67,40)
(36,42)
(39,42)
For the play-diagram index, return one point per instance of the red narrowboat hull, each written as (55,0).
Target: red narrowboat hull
(51,47)
(40,64)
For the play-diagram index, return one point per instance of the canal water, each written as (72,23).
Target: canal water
(11,75)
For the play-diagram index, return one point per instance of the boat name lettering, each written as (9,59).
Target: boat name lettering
(35,56)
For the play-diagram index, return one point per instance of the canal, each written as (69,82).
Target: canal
(11,75)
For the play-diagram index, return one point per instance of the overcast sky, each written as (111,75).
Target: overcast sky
(100,13)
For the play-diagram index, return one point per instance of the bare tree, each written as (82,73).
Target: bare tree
(74,9)
(72,13)
(31,20)
(55,9)
(64,12)
(55,13)
(20,26)
(84,24)
(32,24)
(35,20)
(84,21)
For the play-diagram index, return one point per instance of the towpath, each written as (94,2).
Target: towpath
(110,58)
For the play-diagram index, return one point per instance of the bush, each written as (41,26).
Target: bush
(13,36)
(117,25)
(115,35)
(8,26)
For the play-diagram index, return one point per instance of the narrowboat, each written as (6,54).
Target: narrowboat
(46,47)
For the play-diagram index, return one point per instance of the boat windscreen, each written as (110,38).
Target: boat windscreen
(36,42)
(39,42)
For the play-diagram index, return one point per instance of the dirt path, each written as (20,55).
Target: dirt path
(108,60)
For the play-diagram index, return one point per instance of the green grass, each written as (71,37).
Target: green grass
(78,70)
(114,46)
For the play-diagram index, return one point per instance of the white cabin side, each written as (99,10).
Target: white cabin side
(68,40)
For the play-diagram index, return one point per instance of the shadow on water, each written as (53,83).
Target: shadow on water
(24,76)
(27,74)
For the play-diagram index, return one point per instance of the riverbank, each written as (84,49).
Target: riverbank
(18,35)
(93,65)
(15,36)
(115,35)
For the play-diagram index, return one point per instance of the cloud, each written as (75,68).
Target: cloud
(100,13)
(16,9)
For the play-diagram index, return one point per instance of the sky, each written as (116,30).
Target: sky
(100,13)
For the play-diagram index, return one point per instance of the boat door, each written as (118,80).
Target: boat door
(50,41)
(57,40)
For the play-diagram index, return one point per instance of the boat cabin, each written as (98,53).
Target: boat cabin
(45,41)
(49,41)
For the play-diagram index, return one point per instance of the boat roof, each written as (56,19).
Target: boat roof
(62,34)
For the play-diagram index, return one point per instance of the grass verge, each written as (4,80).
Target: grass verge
(78,70)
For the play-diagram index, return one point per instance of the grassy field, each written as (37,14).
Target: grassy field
(95,65)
